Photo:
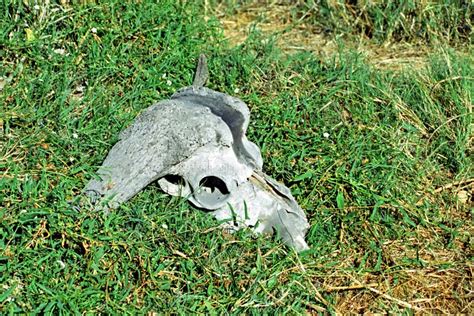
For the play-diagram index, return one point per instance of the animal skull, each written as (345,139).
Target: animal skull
(195,146)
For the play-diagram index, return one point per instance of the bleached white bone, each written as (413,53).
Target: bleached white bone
(195,146)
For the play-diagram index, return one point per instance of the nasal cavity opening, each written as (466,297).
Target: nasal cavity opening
(213,185)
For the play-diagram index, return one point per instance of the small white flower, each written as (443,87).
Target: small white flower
(75,136)
(236,90)
(168,82)
(60,51)
(94,30)
(164,226)
(80,88)
(326,135)
(71,159)
(36,7)
(163,76)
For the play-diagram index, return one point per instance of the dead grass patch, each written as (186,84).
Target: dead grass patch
(442,284)
(275,19)
(294,33)
(425,290)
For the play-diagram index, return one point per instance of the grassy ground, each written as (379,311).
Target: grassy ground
(388,193)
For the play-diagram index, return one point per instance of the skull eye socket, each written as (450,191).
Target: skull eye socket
(213,185)
(212,192)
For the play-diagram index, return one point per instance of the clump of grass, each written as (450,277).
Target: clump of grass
(416,22)
(426,22)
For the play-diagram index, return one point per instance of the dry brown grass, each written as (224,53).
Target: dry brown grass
(437,286)
(425,290)
(294,33)
(274,19)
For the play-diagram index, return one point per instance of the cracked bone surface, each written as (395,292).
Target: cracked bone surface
(195,146)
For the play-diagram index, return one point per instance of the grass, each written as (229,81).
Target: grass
(428,22)
(388,193)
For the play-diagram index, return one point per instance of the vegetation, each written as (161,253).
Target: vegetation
(427,21)
(380,159)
